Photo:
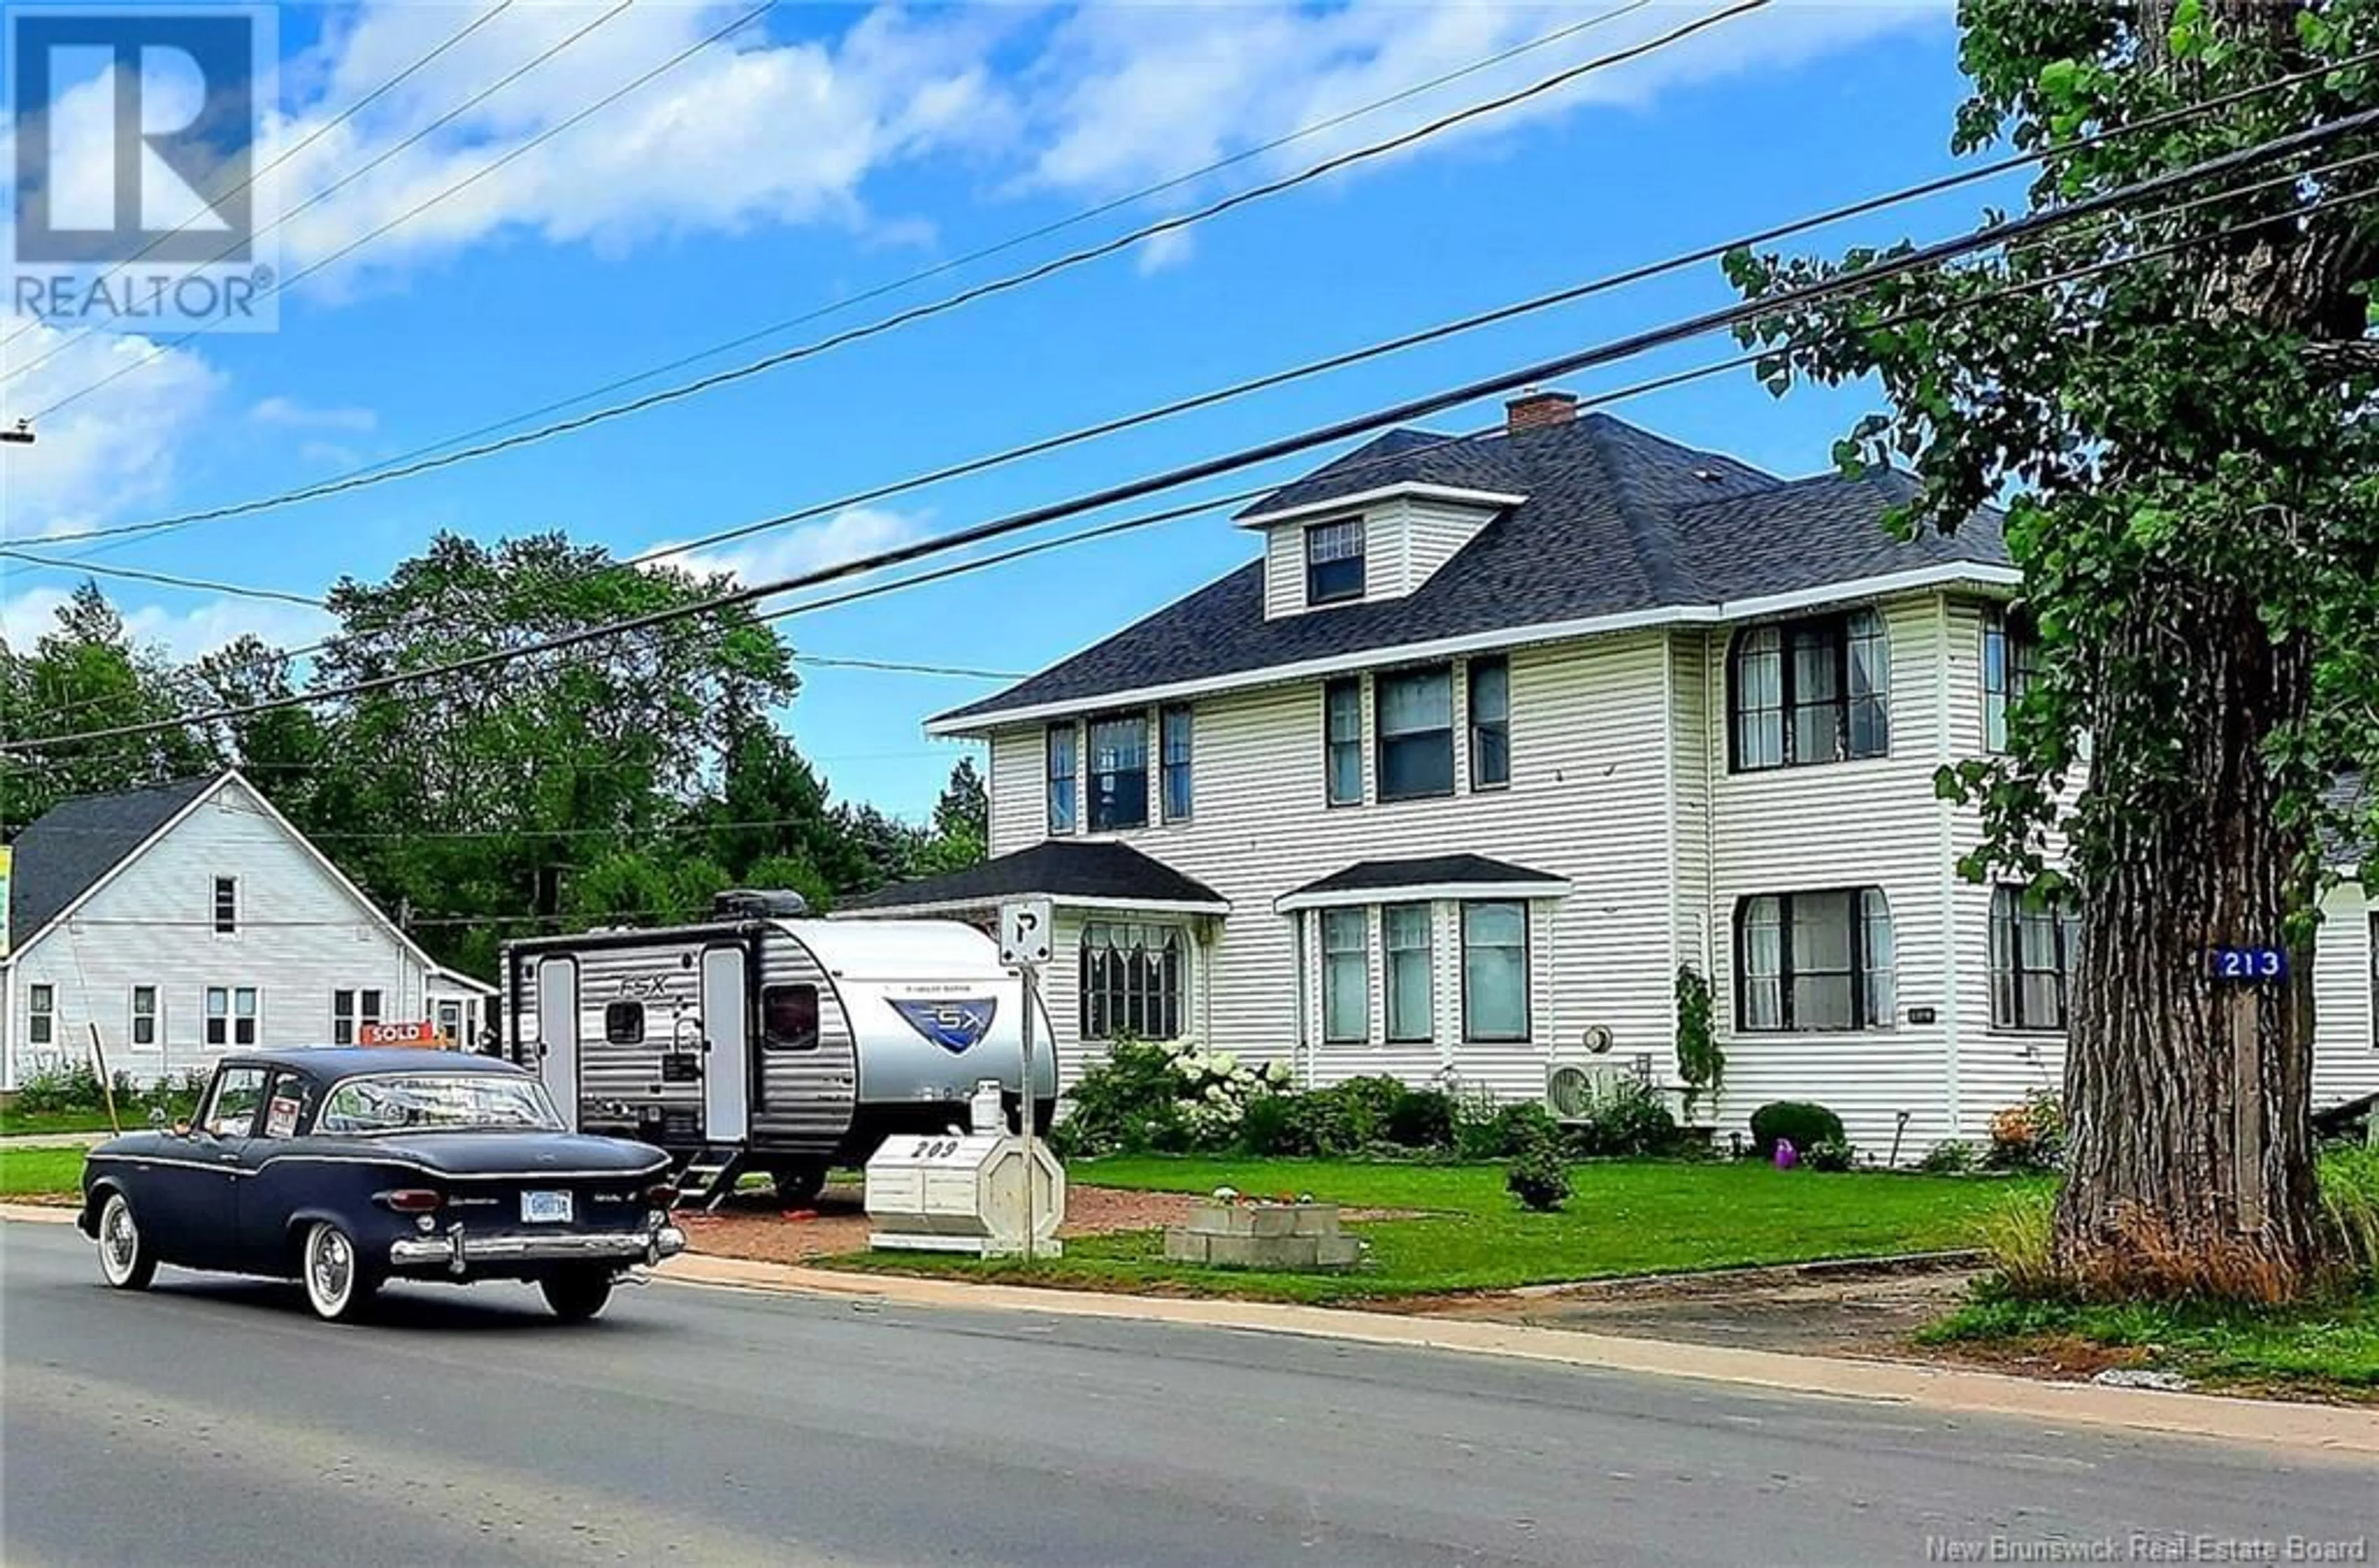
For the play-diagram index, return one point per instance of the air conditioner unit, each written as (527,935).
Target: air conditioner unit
(1572,1089)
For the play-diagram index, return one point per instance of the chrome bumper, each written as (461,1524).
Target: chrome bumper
(456,1250)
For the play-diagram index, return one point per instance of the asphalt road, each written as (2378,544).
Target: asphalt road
(214,1421)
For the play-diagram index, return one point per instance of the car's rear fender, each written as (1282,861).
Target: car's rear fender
(94,1198)
(292,1237)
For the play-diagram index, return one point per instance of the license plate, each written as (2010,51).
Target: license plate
(545,1208)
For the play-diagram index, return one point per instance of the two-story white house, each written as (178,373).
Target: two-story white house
(189,919)
(1499,733)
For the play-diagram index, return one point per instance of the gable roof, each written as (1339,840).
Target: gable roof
(1093,871)
(70,849)
(1618,523)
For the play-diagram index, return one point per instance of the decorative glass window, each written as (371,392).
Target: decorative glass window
(2010,662)
(1494,971)
(1345,977)
(1175,739)
(788,1018)
(1812,691)
(1134,979)
(623,1023)
(41,1015)
(1412,991)
(2034,948)
(226,905)
(1811,962)
(1490,723)
(1060,752)
(1119,773)
(1342,707)
(1416,720)
(144,1016)
(1333,561)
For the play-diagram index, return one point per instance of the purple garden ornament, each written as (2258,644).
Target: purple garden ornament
(1786,1155)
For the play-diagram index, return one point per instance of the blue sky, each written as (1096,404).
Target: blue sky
(835,149)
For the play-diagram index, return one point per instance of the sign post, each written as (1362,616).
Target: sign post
(1025,947)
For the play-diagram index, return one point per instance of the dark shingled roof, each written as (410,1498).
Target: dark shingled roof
(1087,871)
(1616,520)
(1429,871)
(68,848)
(2352,797)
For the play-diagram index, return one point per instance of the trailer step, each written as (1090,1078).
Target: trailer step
(711,1175)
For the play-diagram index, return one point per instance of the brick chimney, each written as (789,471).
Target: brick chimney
(1535,410)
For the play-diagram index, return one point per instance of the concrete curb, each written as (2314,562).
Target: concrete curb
(2331,1432)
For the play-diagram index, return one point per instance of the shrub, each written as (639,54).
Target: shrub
(1950,1158)
(1806,1125)
(2020,1237)
(1510,1131)
(1162,1098)
(1628,1122)
(1269,1126)
(71,1088)
(1538,1178)
(2030,1137)
(2349,1207)
(1829,1154)
(1421,1119)
(1701,1065)
(1345,1119)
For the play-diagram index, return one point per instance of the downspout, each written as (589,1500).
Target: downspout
(1947,870)
(1302,1056)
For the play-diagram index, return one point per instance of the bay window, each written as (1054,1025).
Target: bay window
(1812,691)
(2035,947)
(1119,772)
(1346,976)
(1416,733)
(1810,961)
(1411,987)
(1494,971)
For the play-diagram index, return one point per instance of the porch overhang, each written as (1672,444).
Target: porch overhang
(1097,874)
(1421,880)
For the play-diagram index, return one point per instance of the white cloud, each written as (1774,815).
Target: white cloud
(108,453)
(764,557)
(187,633)
(290,414)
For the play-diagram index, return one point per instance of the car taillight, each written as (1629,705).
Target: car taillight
(660,1195)
(412,1200)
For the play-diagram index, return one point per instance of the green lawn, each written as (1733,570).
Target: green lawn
(1623,1218)
(31,1171)
(2331,1346)
(13,1122)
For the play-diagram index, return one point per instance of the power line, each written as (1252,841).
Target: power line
(342,117)
(947,303)
(1517,310)
(376,471)
(313,200)
(1888,266)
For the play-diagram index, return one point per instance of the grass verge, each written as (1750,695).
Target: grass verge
(39,1173)
(2328,1347)
(1623,1218)
(14,1123)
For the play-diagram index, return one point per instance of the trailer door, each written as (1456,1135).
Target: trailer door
(727,1047)
(557,1033)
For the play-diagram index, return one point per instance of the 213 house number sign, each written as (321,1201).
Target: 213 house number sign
(2248,964)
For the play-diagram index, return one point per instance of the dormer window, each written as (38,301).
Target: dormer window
(1333,561)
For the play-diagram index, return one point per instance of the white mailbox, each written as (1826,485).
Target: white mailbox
(964,1192)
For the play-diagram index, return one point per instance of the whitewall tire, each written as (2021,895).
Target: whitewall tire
(126,1260)
(339,1284)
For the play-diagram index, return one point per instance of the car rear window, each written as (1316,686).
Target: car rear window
(397,1101)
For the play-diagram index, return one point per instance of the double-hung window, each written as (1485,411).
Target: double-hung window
(1174,725)
(41,1015)
(1346,976)
(1494,971)
(1058,754)
(1416,733)
(1411,988)
(1333,561)
(231,1015)
(1490,723)
(2011,659)
(144,1016)
(349,1010)
(1813,961)
(1118,772)
(1342,741)
(2035,945)
(1811,690)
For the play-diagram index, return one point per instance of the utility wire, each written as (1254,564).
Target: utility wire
(1891,265)
(292,280)
(1502,313)
(342,117)
(948,302)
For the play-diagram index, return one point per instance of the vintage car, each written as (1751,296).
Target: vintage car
(345,1167)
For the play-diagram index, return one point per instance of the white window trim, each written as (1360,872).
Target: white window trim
(132,1017)
(49,1015)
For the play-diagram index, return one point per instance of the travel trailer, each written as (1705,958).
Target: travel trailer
(764,1040)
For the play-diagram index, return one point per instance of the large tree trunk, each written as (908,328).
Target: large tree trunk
(2189,1096)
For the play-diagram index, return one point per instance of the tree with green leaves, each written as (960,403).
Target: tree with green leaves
(2183,448)
(962,835)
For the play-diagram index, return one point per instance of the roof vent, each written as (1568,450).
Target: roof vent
(759,903)
(1707,476)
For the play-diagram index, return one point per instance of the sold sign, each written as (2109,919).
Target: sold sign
(421,1033)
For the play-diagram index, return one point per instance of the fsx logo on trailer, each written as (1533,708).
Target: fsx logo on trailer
(142,196)
(953,1025)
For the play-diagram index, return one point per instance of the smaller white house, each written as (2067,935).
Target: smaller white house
(189,919)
